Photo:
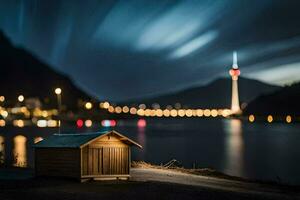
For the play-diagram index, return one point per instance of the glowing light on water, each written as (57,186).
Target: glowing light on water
(2,149)
(79,123)
(141,123)
(234,147)
(20,151)
(108,123)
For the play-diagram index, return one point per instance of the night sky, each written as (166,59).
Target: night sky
(124,49)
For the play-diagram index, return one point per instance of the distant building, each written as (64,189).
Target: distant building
(84,156)
(234,73)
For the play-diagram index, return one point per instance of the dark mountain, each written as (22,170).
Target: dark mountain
(217,94)
(282,102)
(22,73)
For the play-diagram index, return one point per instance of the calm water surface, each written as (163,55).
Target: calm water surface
(257,151)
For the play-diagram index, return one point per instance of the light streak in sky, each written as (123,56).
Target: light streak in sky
(194,44)
(279,75)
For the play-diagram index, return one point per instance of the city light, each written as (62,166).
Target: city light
(18,123)
(20,98)
(111,109)
(142,106)
(251,118)
(166,113)
(141,112)
(57,91)
(133,111)
(270,118)
(42,123)
(125,109)
(206,112)
(88,105)
(88,123)
(4,113)
(288,119)
(2,98)
(2,122)
(199,112)
(118,109)
(52,123)
(214,113)
(159,113)
(189,113)
(106,105)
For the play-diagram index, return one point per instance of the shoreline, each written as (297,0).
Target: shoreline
(145,182)
(20,173)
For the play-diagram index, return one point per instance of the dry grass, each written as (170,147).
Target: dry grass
(200,171)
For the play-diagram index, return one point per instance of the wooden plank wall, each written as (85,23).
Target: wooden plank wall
(105,160)
(57,162)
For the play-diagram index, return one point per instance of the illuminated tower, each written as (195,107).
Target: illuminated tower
(234,73)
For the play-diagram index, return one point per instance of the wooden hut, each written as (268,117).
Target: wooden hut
(84,156)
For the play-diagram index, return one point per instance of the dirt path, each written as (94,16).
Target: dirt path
(170,176)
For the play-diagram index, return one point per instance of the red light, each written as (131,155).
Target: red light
(113,123)
(234,72)
(79,123)
(141,123)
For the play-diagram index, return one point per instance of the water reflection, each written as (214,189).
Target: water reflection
(2,150)
(142,141)
(20,151)
(234,147)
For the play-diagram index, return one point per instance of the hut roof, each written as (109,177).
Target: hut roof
(78,140)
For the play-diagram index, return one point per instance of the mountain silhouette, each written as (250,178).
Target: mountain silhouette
(22,73)
(282,102)
(216,94)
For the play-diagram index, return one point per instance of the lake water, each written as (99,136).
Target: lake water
(253,150)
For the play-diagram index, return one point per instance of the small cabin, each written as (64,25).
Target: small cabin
(104,155)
